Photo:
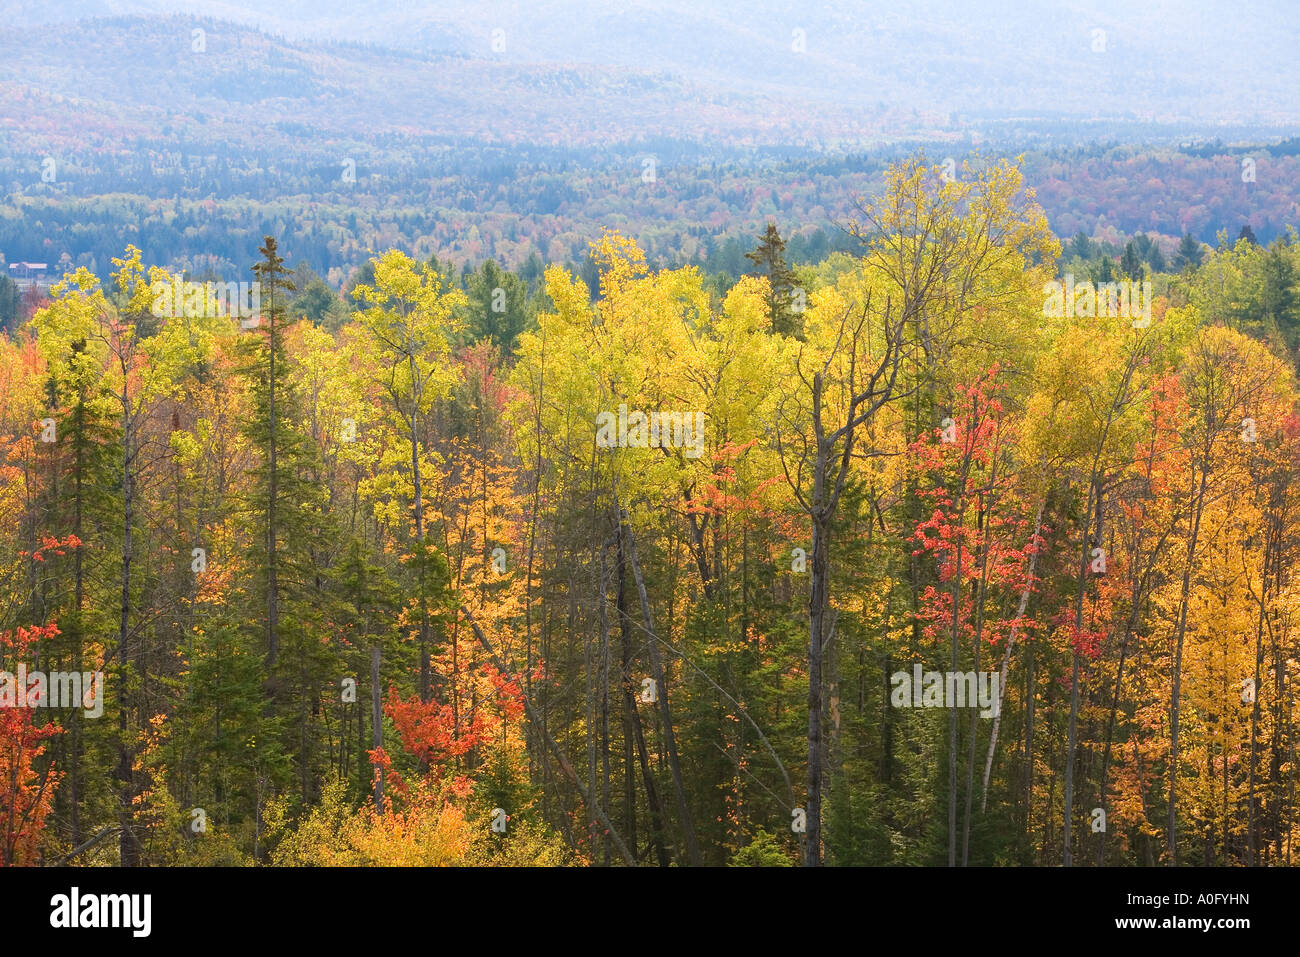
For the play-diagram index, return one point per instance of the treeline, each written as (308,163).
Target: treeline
(507,568)
(198,207)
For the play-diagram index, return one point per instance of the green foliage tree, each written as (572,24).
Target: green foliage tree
(497,307)
(1190,252)
(781,298)
(1130,264)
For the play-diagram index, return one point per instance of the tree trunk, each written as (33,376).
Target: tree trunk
(129,846)
(1094,495)
(981,596)
(629,715)
(79,596)
(417,505)
(1252,825)
(1006,658)
(817,605)
(272,584)
(952,711)
(593,728)
(376,721)
(661,689)
(1172,821)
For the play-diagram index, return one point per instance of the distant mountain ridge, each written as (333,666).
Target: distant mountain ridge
(205,78)
(587,70)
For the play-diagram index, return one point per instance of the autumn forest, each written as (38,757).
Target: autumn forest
(930,553)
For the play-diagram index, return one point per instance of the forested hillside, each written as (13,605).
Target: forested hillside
(918,552)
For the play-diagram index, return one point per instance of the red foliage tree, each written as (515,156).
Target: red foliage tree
(26,792)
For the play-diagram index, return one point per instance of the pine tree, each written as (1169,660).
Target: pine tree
(498,306)
(1279,298)
(1130,264)
(10,305)
(77,501)
(769,260)
(1155,258)
(284,506)
(1189,253)
(84,502)
(226,747)
(269,430)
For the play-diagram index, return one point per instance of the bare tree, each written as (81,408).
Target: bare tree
(824,461)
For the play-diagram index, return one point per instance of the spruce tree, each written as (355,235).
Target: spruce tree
(1130,265)
(269,430)
(1189,253)
(769,260)
(498,306)
(80,502)
(284,509)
